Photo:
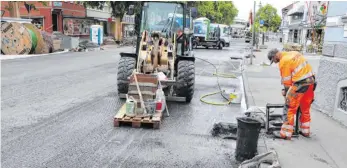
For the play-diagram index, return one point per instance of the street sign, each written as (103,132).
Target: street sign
(261,22)
(57,4)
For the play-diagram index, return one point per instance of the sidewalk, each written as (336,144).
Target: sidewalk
(327,145)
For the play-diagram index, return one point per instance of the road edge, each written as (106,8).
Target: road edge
(10,57)
(249,101)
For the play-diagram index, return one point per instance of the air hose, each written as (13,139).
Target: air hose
(223,75)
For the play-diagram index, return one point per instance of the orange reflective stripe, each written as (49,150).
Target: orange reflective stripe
(304,127)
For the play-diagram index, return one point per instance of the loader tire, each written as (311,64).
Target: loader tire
(185,79)
(125,69)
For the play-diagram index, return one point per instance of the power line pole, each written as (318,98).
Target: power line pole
(253,32)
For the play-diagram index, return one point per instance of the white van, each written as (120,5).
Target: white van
(225,34)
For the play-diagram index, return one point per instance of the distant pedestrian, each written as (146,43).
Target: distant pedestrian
(299,85)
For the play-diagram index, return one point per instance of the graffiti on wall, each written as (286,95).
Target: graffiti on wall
(74,26)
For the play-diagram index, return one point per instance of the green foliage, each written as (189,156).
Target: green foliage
(222,12)
(271,19)
(216,11)
(32,6)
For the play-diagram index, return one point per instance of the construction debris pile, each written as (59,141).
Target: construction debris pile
(85,46)
(26,38)
(292,47)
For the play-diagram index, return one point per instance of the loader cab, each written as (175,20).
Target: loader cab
(170,19)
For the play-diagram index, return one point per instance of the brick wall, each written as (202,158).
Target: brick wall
(69,9)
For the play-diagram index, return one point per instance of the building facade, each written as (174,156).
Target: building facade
(103,17)
(284,28)
(303,23)
(49,17)
(331,92)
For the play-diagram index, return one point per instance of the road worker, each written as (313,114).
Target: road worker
(299,85)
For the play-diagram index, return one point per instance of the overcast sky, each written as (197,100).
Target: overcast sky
(245,6)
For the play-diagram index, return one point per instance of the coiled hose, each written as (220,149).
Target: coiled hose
(223,75)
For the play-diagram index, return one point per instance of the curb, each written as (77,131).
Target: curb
(10,57)
(248,98)
(249,101)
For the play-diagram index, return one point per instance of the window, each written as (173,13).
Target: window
(343,99)
(158,12)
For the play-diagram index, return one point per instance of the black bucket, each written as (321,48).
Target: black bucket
(248,130)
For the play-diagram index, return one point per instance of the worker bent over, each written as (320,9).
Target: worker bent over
(299,85)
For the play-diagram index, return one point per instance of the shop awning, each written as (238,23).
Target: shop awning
(298,9)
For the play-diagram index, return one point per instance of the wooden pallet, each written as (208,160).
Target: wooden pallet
(138,121)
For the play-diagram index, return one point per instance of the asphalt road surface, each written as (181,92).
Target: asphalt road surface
(57,111)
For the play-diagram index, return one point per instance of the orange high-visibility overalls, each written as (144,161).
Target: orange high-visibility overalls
(296,75)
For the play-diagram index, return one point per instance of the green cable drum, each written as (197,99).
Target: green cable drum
(15,39)
(33,40)
(40,43)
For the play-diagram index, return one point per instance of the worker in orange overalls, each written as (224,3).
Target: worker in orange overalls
(299,85)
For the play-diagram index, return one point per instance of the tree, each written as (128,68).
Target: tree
(270,17)
(13,7)
(118,8)
(222,12)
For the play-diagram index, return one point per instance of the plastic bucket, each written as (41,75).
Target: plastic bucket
(248,130)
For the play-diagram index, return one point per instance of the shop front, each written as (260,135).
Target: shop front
(77,26)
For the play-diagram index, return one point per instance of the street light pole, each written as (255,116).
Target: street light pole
(253,33)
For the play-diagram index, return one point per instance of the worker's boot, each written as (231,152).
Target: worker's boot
(277,134)
(307,135)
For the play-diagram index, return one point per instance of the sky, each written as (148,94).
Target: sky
(245,6)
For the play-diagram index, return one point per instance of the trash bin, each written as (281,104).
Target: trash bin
(248,130)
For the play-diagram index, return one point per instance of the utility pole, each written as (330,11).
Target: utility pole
(253,32)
